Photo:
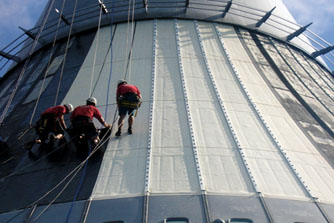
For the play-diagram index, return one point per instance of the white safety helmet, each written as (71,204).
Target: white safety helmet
(69,107)
(92,100)
(121,82)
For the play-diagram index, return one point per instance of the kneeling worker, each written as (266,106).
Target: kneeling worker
(51,120)
(82,119)
(128,99)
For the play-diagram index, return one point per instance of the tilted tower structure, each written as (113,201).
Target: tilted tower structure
(236,123)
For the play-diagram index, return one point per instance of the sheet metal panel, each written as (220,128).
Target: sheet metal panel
(295,211)
(114,210)
(123,169)
(326,85)
(87,77)
(288,134)
(311,99)
(304,77)
(260,150)
(325,74)
(302,117)
(221,165)
(172,164)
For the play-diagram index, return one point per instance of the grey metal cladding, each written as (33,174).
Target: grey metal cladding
(30,183)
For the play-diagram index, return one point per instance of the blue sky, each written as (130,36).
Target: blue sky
(14,13)
(320,12)
(24,13)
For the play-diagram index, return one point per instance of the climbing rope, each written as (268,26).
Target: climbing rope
(26,63)
(127,35)
(66,50)
(79,167)
(90,91)
(109,81)
(35,162)
(74,172)
(96,46)
(48,65)
(132,37)
(111,61)
(126,65)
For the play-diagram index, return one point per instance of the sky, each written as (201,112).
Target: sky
(320,12)
(24,13)
(14,13)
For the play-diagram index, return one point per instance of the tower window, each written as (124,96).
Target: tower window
(114,222)
(177,220)
(240,220)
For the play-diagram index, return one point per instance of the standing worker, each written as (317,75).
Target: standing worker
(128,99)
(82,120)
(51,120)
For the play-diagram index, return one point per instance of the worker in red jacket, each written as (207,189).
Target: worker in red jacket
(51,121)
(82,119)
(128,99)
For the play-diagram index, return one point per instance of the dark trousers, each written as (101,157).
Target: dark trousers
(84,125)
(46,124)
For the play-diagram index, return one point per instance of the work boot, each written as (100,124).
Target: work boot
(118,133)
(130,130)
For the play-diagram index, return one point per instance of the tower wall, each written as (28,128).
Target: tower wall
(233,124)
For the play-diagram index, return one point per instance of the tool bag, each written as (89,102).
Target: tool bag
(129,100)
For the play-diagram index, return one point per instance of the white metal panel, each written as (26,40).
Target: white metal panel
(102,42)
(222,168)
(311,98)
(326,85)
(122,171)
(87,76)
(172,164)
(308,81)
(287,133)
(259,148)
(328,78)
(173,170)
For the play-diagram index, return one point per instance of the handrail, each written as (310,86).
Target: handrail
(90,12)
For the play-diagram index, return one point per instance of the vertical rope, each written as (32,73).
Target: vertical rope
(111,61)
(127,37)
(132,36)
(48,65)
(90,146)
(96,46)
(65,55)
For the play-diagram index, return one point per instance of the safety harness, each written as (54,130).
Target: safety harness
(129,100)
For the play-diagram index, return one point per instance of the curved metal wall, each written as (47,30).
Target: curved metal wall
(233,124)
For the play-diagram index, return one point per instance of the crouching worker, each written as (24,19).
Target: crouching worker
(128,99)
(51,121)
(82,120)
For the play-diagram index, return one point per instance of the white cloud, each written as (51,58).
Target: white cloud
(20,12)
(320,12)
